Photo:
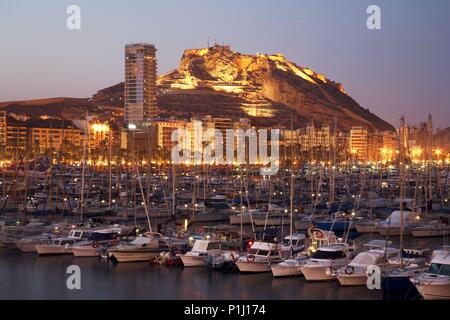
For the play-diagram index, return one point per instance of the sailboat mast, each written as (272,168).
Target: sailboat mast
(110,170)
(83,170)
(174,186)
(402,186)
(291,222)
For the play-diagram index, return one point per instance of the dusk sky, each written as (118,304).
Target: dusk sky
(403,69)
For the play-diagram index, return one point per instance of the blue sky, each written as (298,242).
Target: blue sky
(402,69)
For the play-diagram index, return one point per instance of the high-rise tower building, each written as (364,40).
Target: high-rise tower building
(140,83)
(2,131)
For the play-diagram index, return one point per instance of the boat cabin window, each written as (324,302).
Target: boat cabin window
(214,246)
(75,234)
(332,255)
(263,253)
(287,242)
(441,269)
(97,236)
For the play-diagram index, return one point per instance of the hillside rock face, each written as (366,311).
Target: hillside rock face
(265,88)
(220,82)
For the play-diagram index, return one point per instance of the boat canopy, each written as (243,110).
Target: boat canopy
(369,258)
(334,247)
(441,257)
(295,237)
(394,218)
(205,245)
(266,246)
(378,243)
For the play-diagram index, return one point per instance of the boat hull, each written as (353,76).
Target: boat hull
(27,247)
(391,231)
(429,233)
(291,271)
(434,291)
(317,273)
(253,267)
(366,228)
(237,220)
(260,222)
(192,261)
(46,250)
(133,256)
(85,251)
(347,280)
(335,226)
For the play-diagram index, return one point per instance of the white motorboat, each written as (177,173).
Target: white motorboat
(391,226)
(239,218)
(355,273)
(62,245)
(196,257)
(293,244)
(261,256)
(367,226)
(56,246)
(277,219)
(302,223)
(144,248)
(322,262)
(430,230)
(97,239)
(28,245)
(435,283)
(289,267)
(222,259)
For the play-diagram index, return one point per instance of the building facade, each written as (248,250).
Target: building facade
(140,83)
(16,137)
(56,135)
(2,131)
(312,137)
(358,143)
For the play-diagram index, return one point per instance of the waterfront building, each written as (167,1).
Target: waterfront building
(16,136)
(164,130)
(291,137)
(54,135)
(358,143)
(2,131)
(99,135)
(316,138)
(140,83)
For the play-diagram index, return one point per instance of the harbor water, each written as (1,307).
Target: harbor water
(27,276)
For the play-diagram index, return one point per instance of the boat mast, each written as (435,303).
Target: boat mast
(402,185)
(291,222)
(83,170)
(242,208)
(144,200)
(333,165)
(174,185)
(110,169)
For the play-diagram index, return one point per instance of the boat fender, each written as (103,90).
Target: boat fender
(349,270)
(251,258)
(95,244)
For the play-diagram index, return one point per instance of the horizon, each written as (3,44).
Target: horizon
(399,70)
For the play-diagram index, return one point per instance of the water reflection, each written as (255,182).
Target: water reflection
(27,276)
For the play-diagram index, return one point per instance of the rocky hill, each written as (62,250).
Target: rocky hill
(268,89)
